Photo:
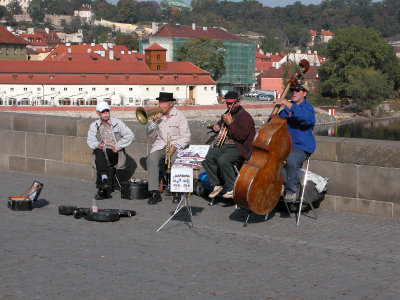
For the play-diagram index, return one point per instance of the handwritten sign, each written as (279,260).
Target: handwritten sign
(181,179)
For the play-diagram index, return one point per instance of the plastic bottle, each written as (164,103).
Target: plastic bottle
(94,205)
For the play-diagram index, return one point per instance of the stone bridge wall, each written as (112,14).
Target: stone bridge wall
(363,174)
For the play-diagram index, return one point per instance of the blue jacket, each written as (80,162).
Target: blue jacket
(301,122)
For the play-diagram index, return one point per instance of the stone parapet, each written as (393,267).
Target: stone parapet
(362,173)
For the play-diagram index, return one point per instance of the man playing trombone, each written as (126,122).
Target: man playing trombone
(169,124)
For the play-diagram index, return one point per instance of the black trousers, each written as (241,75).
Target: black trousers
(102,166)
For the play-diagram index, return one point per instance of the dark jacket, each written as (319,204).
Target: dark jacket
(242,131)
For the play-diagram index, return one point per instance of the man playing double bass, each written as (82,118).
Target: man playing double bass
(300,118)
(219,161)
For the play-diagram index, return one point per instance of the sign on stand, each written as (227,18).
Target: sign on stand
(181,179)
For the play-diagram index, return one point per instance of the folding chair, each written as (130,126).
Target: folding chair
(24,202)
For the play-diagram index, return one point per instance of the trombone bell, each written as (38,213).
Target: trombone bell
(143,115)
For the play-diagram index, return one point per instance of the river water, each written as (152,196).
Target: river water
(376,130)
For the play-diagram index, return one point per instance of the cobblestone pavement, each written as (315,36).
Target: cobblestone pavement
(48,256)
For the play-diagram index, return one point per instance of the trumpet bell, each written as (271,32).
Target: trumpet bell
(143,115)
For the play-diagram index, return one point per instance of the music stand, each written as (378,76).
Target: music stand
(184,202)
(181,181)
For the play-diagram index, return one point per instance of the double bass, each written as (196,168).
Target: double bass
(259,183)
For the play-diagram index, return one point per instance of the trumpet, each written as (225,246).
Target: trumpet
(143,115)
(168,155)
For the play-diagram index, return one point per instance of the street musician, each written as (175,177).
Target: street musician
(171,129)
(233,145)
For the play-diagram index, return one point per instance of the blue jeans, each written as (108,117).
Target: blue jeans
(291,168)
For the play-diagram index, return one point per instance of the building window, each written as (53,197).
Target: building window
(212,88)
(7,52)
(205,88)
(15,50)
(130,100)
(1,50)
(130,89)
(147,89)
(158,56)
(162,88)
(52,98)
(39,89)
(158,67)
(11,89)
(93,89)
(52,89)
(80,89)
(25,89)
(65,89)
(107,89)
(177,88)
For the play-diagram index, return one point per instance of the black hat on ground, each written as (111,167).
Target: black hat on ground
(165,97)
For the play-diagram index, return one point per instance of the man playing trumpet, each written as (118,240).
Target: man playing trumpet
(169,123)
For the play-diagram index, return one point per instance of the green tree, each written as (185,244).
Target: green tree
(14,7)
(127,11)
(271,44)
(206,54)
(354,56)
(130,41)
(36,10)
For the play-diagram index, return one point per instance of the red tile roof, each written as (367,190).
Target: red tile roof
(51,37)
(35,39)
(155,46)
(185,31)
(104,72)
(278,73)
(326,33)
(91,53)
(7,37)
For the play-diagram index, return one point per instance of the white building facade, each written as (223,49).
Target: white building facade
(86,83)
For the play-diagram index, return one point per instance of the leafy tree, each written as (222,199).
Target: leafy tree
(127,11)
(354,56)
(96,34)
(270,44)
(36,10)
(130,41)
(148,11)
(3,11)
(206,54)
(105,10)
(14,7)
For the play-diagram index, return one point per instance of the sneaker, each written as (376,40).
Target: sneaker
(228,195)
(216,191)
(290,198)
(155,198)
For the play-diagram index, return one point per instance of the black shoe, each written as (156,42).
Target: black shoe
(103,194)
(155,198)
(99,195)
(176,198)
(105,184)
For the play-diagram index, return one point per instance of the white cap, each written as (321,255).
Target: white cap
(102,106)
